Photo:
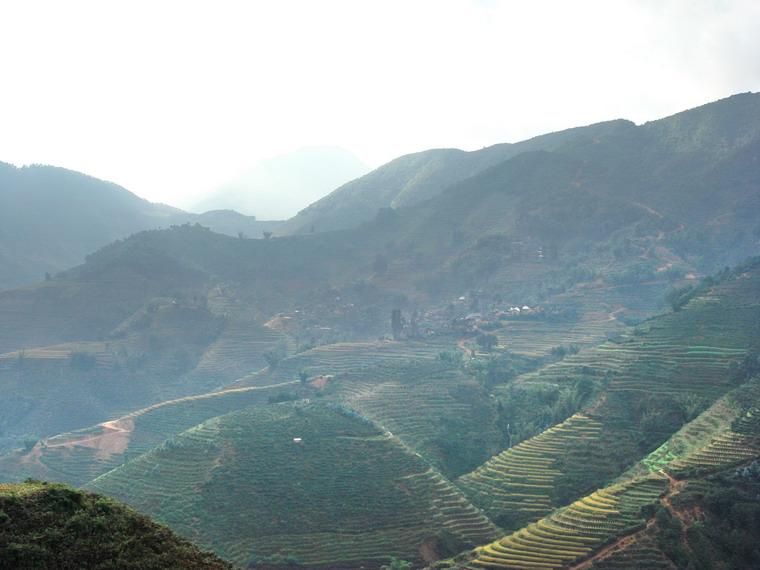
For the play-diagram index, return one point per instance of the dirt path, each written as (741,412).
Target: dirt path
(612,315)
(618,544)
(648,209)
(466,351)
(114,435)
(674,487)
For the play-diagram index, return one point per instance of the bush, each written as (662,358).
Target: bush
(82,360)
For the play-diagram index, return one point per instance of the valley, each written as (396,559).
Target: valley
(537,355)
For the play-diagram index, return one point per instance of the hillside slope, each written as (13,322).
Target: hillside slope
(50,218)
(631,394)
(51,527)
(690,508)
(414,178)
(328,489)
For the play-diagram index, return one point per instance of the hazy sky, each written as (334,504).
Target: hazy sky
(171,98)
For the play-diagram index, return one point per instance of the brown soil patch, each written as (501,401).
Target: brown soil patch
(113,438)
(429,550)
(320,382)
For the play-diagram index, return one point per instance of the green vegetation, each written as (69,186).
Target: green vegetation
(78,457)
(575,531)
(49,527)
(247,394)
(52,217)
(262,490)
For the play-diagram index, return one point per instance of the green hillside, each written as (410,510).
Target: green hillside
(414,178)
(167,348)
(687,505)
(51,218)
(705,397)
(647,385)
(479,363)
(79,456)
(50,527)
(453,414)
(345,493)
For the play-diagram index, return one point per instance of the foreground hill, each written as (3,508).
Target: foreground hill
(51,527)
(50,218)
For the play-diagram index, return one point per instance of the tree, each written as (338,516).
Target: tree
(380,266)
(273,358)
(397,564)
(487,341)
(303,376)
(266,234)
(30,441)
(397,323)
(414,324)
(677,298)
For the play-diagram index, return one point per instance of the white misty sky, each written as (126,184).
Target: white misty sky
(171,98)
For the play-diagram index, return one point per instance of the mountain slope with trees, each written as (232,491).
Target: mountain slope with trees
(51,527)
(50,218)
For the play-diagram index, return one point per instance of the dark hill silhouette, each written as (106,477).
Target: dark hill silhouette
(50,218)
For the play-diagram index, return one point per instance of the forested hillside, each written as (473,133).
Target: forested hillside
(49,527)
(702,158)
(51,218)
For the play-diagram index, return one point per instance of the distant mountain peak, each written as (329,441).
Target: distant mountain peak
(277,187)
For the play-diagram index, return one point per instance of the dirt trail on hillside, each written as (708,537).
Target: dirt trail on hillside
(617,545)
(114,435)
(674,487)
(113,438)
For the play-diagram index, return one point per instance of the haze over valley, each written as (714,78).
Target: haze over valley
(534,348)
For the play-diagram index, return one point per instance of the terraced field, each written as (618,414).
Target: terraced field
(640,552)
(598,305)
(726,433)
(332,359)
(684,360)
(574,532)
(735,440)
(240,351)
(607,529)
(260,492)
(433,408)
(57,354)
(80,456)
(516,486)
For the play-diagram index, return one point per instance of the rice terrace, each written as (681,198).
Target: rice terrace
(452,353)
